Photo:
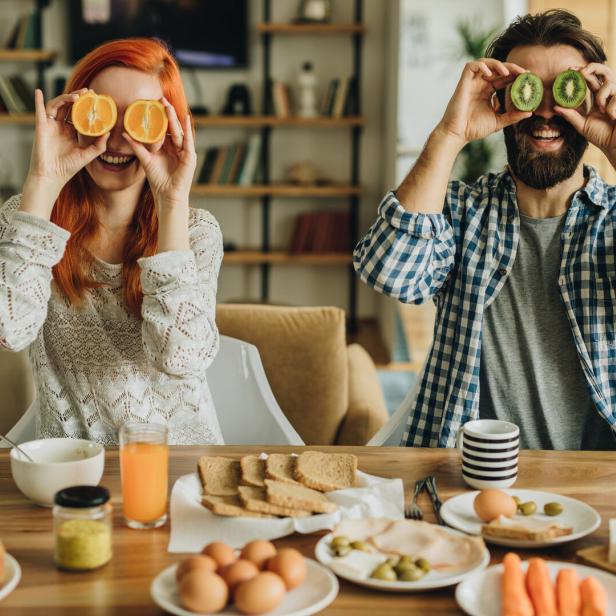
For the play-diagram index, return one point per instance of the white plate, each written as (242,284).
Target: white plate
(12,576)
(458,512)
(480,594)
(433,579)
(316,592)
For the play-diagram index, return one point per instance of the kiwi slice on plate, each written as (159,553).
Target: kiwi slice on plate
(569,89)
(526,92)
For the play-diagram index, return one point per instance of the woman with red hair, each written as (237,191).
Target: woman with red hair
(105,270)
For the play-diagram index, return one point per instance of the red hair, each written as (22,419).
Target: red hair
(75,208)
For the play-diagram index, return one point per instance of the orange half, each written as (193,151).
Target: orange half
(146,121)
(94,114)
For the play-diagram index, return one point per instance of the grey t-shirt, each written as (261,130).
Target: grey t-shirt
(530,370)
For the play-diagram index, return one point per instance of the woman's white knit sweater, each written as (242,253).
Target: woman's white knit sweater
(96,366)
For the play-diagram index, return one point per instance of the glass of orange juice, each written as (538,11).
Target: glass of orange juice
(144,464)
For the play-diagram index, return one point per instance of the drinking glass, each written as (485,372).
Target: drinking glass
(144,464)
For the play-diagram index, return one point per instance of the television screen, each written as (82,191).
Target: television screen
(200,33)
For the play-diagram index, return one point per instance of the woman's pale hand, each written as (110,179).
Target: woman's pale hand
(470,113)
(170,164)
(56,155)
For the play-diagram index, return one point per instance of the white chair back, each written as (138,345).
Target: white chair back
(247,410)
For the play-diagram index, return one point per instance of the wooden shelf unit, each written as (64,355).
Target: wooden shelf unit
(282,257)
(260,121)
(308,28)
(274,190)
(27,55)
(23,119)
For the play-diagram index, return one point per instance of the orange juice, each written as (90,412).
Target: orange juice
(143,468)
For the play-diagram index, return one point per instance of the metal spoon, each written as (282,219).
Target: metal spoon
(21,451)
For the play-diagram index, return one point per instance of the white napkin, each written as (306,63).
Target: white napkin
(193,526)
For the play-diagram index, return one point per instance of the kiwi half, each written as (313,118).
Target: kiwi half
(526,92)
(569,89)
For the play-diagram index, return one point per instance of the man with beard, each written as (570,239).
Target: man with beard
(521,264)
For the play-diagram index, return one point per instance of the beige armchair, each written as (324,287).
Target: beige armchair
(329,391)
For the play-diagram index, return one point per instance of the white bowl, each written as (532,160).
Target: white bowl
(58,463)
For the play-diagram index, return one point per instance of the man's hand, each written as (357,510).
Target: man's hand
(597,120)
(470,113)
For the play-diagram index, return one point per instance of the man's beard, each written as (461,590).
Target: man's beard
(538,169)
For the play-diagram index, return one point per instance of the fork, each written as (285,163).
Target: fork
(430,481)
(413,511)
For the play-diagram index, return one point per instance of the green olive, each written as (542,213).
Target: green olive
(384,572)
(406,561)
(552,509)
(359,545)
(342,550)
(518,500)
(340,541)
(423,564)
(528,508)
(411,575)
(392,561)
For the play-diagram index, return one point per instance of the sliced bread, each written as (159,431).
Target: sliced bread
(529,530)
(255,499)
(219,476)
(281,467)
(297,497)
(253,471)
(230,506)
(326,471)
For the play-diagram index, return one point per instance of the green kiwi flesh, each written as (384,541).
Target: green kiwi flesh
(569,89)
(526,92)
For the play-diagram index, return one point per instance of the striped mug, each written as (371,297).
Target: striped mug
(489,450)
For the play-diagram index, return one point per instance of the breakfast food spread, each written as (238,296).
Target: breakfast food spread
(534,593)
(256,581)
(400,550)
(279,485)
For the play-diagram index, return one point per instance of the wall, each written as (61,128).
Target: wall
(240,219)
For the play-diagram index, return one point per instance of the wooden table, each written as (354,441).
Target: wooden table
(123,586)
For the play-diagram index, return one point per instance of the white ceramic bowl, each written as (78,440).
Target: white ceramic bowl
(58,463)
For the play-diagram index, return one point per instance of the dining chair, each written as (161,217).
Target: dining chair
(247,410)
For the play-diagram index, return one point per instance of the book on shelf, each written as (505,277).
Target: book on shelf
(219,162)
(283,103)
(320,232)
(207,166)
(247,175)
(237,162)
(10,97)
(23,91)
(329,95)
(231,164)
(24,33)
(230,154)
(340,98)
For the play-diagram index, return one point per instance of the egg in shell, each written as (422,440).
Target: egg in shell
(205,563)
(491,504)
(203,592)
(262,593)
(222,553)
(259,552)
(290,565)
(236,573)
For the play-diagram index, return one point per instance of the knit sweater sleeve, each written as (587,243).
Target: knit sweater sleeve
(179,330)
(29,248)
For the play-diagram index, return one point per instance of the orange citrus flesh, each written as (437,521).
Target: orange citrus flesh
(94,114)
(146,121)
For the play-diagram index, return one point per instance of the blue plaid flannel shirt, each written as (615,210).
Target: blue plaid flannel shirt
(460,259)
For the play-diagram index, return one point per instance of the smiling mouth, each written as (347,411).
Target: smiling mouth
(547,136)
(118,162)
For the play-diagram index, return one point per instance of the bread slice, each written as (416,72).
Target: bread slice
(326,471)
(230,506)
(255,499)
(530,530)
(281,467)
(297,497)
(219,476)
(253,471)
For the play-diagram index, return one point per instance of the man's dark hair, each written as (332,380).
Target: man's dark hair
(553,27)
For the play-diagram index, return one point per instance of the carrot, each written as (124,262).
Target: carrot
(568,593)
(594,597)
(515,600)
(540,588)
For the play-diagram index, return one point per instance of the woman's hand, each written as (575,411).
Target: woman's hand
(471,113)
(169,165)
(597,121)
(56,155)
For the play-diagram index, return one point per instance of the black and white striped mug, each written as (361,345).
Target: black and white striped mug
(489,450)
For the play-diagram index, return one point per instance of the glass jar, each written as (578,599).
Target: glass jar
(82,525)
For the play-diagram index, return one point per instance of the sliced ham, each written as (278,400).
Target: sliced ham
(360,530)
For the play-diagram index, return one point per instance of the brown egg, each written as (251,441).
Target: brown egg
(201,562)
(203,592)
(261,594)
(490,504)
(236,573)
(290,565)
(220,552)
(259,552)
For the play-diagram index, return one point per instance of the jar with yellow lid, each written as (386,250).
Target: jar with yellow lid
(82,528)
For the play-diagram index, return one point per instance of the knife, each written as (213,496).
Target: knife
(436,501)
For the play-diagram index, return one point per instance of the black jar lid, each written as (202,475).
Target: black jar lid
(80,497)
